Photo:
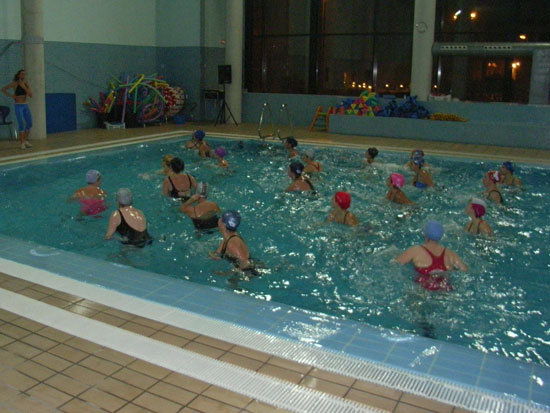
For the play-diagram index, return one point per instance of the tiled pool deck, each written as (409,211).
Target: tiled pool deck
(416,365)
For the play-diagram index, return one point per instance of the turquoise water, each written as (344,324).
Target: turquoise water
(499,306)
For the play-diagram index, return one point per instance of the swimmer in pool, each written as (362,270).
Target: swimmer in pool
(203,147)
(219,154)
(490,181)
(422,178)
(178,185)
(128,221)
(395,182)
(193,143)
(475,210)
(432,259)
(340,214)
(507,175)
(415,153)
(299,182)
(91,197)
(312,166)
(370,154)
(203,213)
(290,145)
(233,246)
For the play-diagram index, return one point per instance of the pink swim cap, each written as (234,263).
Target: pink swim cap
(343,199)
(478,206)
(220,151)
(397,180)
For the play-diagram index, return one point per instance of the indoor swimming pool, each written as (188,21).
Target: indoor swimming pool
(498,306)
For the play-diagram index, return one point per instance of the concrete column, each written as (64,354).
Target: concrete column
(234,29)
(32,37)
(423,38)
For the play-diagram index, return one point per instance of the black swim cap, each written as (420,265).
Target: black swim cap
(297,168)
(177,165)
(292,142)
(373,152)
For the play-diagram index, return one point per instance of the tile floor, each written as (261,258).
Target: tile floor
(43,368)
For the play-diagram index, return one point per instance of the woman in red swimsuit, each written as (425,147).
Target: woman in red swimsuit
(431,259)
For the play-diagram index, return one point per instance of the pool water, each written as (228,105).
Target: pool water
(498,306)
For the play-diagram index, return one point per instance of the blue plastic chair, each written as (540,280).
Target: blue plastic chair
(4,112)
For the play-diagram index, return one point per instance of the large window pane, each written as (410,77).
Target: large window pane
(393,64)
(283,16)
(345,61)
(394,16)
(285,65)
(349,16)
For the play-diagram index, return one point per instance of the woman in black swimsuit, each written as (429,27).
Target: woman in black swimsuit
(490,181)
(233,247)
(299,182)
(128,221)
(178,185)
(340,214)
(204,214)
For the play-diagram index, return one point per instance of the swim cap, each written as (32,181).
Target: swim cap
(417,153)
(310,153)
(433,230)
(220,151)
(177,165)
(418,160)
(199,134)
(397,180)
(478,206)
(92,176)
(202,189)
(373,152)
(292,142)
(231,220)
(494,176)
(297,168)
(343,199)
(509,165)
(124,196)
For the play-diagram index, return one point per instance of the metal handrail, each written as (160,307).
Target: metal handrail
(266,109)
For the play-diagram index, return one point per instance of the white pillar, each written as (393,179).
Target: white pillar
(32,36)
(423,38)
(234,29)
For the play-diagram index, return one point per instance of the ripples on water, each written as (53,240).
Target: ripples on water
(499,306)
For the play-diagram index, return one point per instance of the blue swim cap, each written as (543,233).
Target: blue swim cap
(231,220)
(433,230)
(509,165)
(199,134)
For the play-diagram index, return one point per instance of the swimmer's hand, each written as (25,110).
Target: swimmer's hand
(214,256)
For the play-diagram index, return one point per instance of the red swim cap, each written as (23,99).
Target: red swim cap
(494,176)
(343,199)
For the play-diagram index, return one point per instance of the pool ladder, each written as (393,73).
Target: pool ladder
(283,119)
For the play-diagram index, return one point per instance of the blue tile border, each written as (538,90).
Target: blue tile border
(419,355)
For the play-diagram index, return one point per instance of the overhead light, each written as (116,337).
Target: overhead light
(435,86)
(387,85)
(523,37)
(473,15)
(401,86)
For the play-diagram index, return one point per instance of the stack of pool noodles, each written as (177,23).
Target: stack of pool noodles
(143,98)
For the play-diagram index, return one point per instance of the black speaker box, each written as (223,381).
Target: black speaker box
(224,74)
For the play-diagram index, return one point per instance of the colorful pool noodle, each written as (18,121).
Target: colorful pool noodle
(125,100)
